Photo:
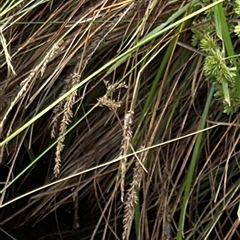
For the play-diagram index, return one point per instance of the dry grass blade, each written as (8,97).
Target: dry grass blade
(24,86)
(7,55)
(97,41)
(132,196)
(66,119)
(133,79)
(125,146)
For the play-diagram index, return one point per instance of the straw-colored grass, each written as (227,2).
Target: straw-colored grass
(85,85)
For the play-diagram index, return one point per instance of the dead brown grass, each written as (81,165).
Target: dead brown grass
(56,54)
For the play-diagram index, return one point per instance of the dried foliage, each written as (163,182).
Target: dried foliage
(152,98)
(132,196)
(126,141)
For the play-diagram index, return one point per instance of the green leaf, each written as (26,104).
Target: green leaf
(226,92)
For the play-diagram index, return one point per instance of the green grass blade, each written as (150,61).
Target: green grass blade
(194,158)
(46,150)
(152,35)
(223,33)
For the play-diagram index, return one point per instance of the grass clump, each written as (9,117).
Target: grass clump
(119,119)
(221,63)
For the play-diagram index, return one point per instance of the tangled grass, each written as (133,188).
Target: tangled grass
(108,127)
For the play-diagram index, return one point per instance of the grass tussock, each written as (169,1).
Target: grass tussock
(85,85)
